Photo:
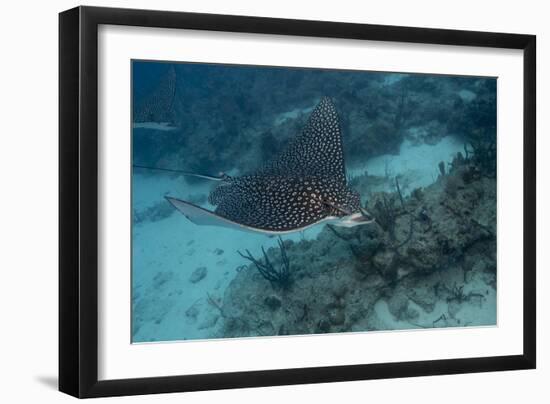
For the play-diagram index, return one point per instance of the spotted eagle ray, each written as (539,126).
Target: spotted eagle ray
(304,186)
(156,109)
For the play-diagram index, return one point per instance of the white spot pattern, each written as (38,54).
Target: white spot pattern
(305,184)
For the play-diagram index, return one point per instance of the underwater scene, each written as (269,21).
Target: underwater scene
(271,201)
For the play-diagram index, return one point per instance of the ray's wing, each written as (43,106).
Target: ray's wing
(274,203)
(317,151)
(205,217)
(202,216)
(281,196)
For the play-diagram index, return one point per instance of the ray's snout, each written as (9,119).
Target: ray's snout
(355,219)
(366,216)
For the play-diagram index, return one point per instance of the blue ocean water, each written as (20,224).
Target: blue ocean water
(420,150)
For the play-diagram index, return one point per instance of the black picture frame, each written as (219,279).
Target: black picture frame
(78,201)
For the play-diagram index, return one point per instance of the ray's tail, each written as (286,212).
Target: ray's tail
(205,176)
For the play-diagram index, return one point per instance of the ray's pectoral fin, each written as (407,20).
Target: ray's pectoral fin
(202,216)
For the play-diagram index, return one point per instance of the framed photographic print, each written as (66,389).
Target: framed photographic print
(250,201)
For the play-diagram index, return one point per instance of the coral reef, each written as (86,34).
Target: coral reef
(277,277)
(253,112)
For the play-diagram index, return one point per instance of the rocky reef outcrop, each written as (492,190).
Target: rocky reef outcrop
(429,261)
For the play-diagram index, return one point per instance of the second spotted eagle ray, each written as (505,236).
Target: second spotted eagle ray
(156,109)
(304,186)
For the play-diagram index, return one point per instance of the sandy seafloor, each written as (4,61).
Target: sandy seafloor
(167,251)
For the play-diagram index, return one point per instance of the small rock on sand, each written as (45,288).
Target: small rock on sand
(198,275)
